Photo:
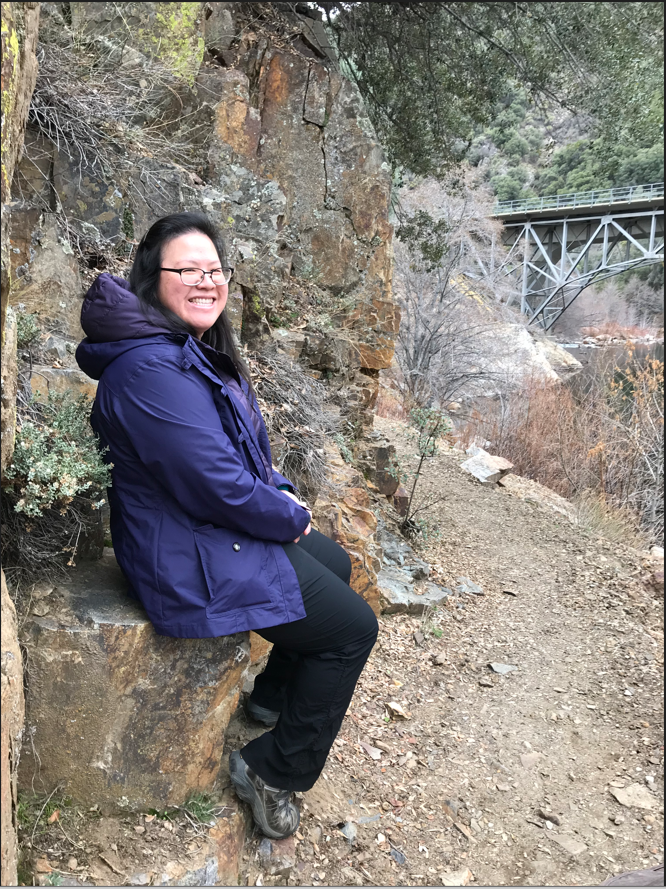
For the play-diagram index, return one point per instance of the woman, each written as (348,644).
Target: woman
(211,538)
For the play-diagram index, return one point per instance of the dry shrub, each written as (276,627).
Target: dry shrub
(618,330)
(618,525)
(600,435)
(298,424)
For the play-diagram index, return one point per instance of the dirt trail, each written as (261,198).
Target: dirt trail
(466,779)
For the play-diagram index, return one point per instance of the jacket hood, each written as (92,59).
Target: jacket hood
(113,319)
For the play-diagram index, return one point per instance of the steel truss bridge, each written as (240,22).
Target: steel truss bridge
(560,245)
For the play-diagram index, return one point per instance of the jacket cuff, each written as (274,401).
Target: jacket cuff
(283,483)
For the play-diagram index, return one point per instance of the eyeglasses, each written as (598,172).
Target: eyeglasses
(192,277)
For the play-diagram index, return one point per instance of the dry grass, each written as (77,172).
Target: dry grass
(619,331)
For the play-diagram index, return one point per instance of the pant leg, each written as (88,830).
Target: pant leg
(270,685)
(333,643)
(328,552)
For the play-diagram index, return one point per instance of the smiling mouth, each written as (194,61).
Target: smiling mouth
(202,301)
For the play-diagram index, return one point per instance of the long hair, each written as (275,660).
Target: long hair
(145,274)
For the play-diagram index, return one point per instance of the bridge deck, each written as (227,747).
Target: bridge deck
(609,200)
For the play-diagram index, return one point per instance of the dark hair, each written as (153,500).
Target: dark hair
(145,274)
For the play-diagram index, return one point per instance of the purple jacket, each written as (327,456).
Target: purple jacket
(196,521)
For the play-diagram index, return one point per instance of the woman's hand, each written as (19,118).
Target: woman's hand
(305,506)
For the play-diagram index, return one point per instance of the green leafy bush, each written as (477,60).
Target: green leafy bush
(56,457)
(54,487)
(27,329)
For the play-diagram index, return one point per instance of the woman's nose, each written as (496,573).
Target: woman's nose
(207,282)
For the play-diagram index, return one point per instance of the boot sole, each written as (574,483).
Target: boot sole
(248,794)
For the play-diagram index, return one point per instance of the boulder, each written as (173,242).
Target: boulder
(559,358)
(122,717)
(534,492)
(59,380)
(486,468)
(400,596)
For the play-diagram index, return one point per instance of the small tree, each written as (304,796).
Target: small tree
(430,425)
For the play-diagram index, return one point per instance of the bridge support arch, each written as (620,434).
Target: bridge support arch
(559,251)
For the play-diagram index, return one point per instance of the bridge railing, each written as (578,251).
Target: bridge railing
(582,198)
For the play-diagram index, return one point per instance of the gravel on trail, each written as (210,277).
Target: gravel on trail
(449,771)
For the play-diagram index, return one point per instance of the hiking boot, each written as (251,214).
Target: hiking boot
(274,814)
(261,714)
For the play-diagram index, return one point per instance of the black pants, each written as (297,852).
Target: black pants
(313,667)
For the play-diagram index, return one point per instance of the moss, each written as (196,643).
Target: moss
(128,224)
(174,39)
(11,51)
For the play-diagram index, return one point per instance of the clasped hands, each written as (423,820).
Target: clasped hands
(305,506)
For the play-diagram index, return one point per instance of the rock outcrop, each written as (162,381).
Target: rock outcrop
(9,387)
(11,677)
(20,23)
(343,513)
(119,716)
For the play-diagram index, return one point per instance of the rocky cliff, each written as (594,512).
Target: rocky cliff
(237,109)
(20,23)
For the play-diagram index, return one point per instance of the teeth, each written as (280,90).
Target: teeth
(202,301)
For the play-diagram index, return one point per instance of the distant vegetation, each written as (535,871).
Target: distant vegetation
(434,75)
(544,98)
(528,152)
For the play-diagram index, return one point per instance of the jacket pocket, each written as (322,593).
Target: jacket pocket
(234,565)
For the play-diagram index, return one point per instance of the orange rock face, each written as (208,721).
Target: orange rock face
(343,514)
(236,122)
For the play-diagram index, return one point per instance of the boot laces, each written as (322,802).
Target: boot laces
(280,801)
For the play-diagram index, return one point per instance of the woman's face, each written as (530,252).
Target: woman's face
(200,306)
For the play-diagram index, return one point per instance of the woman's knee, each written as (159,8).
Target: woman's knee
(338,559)
(368,625)
(345,566)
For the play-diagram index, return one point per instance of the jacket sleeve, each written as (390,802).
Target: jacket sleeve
(170,419)
(281,480)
